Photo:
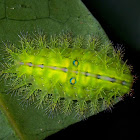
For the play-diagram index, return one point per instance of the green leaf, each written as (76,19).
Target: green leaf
(52,17)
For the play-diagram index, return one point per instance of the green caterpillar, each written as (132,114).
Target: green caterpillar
(67,73)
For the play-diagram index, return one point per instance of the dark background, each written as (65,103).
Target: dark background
(121,21)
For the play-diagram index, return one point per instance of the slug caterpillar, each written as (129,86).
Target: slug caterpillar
(67,73)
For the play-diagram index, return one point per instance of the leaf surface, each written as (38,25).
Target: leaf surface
(52,17)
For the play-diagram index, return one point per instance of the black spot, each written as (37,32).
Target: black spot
(86,74)
(65,70)
(98,76)
(124,83)
(112,80)
(41,66)
(30,64)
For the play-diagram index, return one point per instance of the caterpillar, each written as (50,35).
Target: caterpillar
(67,73)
